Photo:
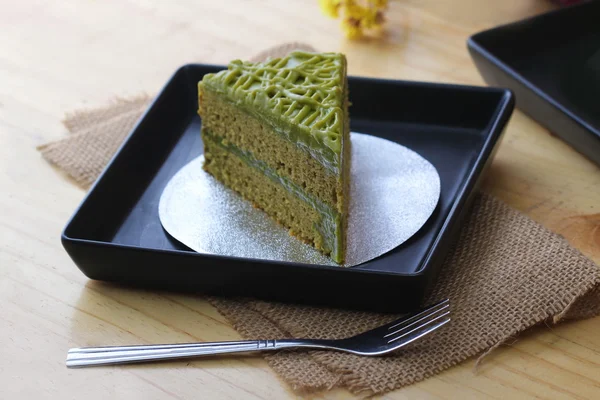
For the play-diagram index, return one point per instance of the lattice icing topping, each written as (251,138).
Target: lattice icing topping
(304,90)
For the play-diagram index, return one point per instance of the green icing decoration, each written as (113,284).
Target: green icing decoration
(300,95)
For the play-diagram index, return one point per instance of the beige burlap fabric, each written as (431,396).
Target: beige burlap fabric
(505,274)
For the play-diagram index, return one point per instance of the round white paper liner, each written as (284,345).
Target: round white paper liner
(393,193)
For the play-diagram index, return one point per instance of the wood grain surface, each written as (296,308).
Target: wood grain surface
(57,56)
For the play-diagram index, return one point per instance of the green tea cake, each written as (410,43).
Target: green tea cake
(278,134)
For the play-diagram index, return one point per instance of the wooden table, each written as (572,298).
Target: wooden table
(64,55)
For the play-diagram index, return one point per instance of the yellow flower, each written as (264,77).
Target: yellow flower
(355,11)
(351,28)
(356,15)
(330,7)
(373,19)
(369,19)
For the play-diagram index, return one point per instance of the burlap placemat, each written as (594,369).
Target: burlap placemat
(505,274)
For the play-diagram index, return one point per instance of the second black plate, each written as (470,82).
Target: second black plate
(552,63)
(116,234)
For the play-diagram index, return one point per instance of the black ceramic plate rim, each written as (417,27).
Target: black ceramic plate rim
(473,43)
(499,118)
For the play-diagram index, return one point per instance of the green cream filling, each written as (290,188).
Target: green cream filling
(329,227)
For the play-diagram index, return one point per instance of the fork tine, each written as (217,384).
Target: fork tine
(419,333)
(419,322)
(414,328)
(406,322)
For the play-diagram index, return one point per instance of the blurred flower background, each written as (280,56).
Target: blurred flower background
(358,17)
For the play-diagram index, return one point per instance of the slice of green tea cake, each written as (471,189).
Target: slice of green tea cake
(278,133)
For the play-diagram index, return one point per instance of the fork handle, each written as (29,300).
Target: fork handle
(90,356)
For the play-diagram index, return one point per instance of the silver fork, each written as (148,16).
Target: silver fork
(381,340)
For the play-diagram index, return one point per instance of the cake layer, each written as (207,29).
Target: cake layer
(305,216)
(287,159)
(301,96)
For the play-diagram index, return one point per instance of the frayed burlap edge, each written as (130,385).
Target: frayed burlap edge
(85,117)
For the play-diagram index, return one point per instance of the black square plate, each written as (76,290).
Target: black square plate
(552,64)
(116,235)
